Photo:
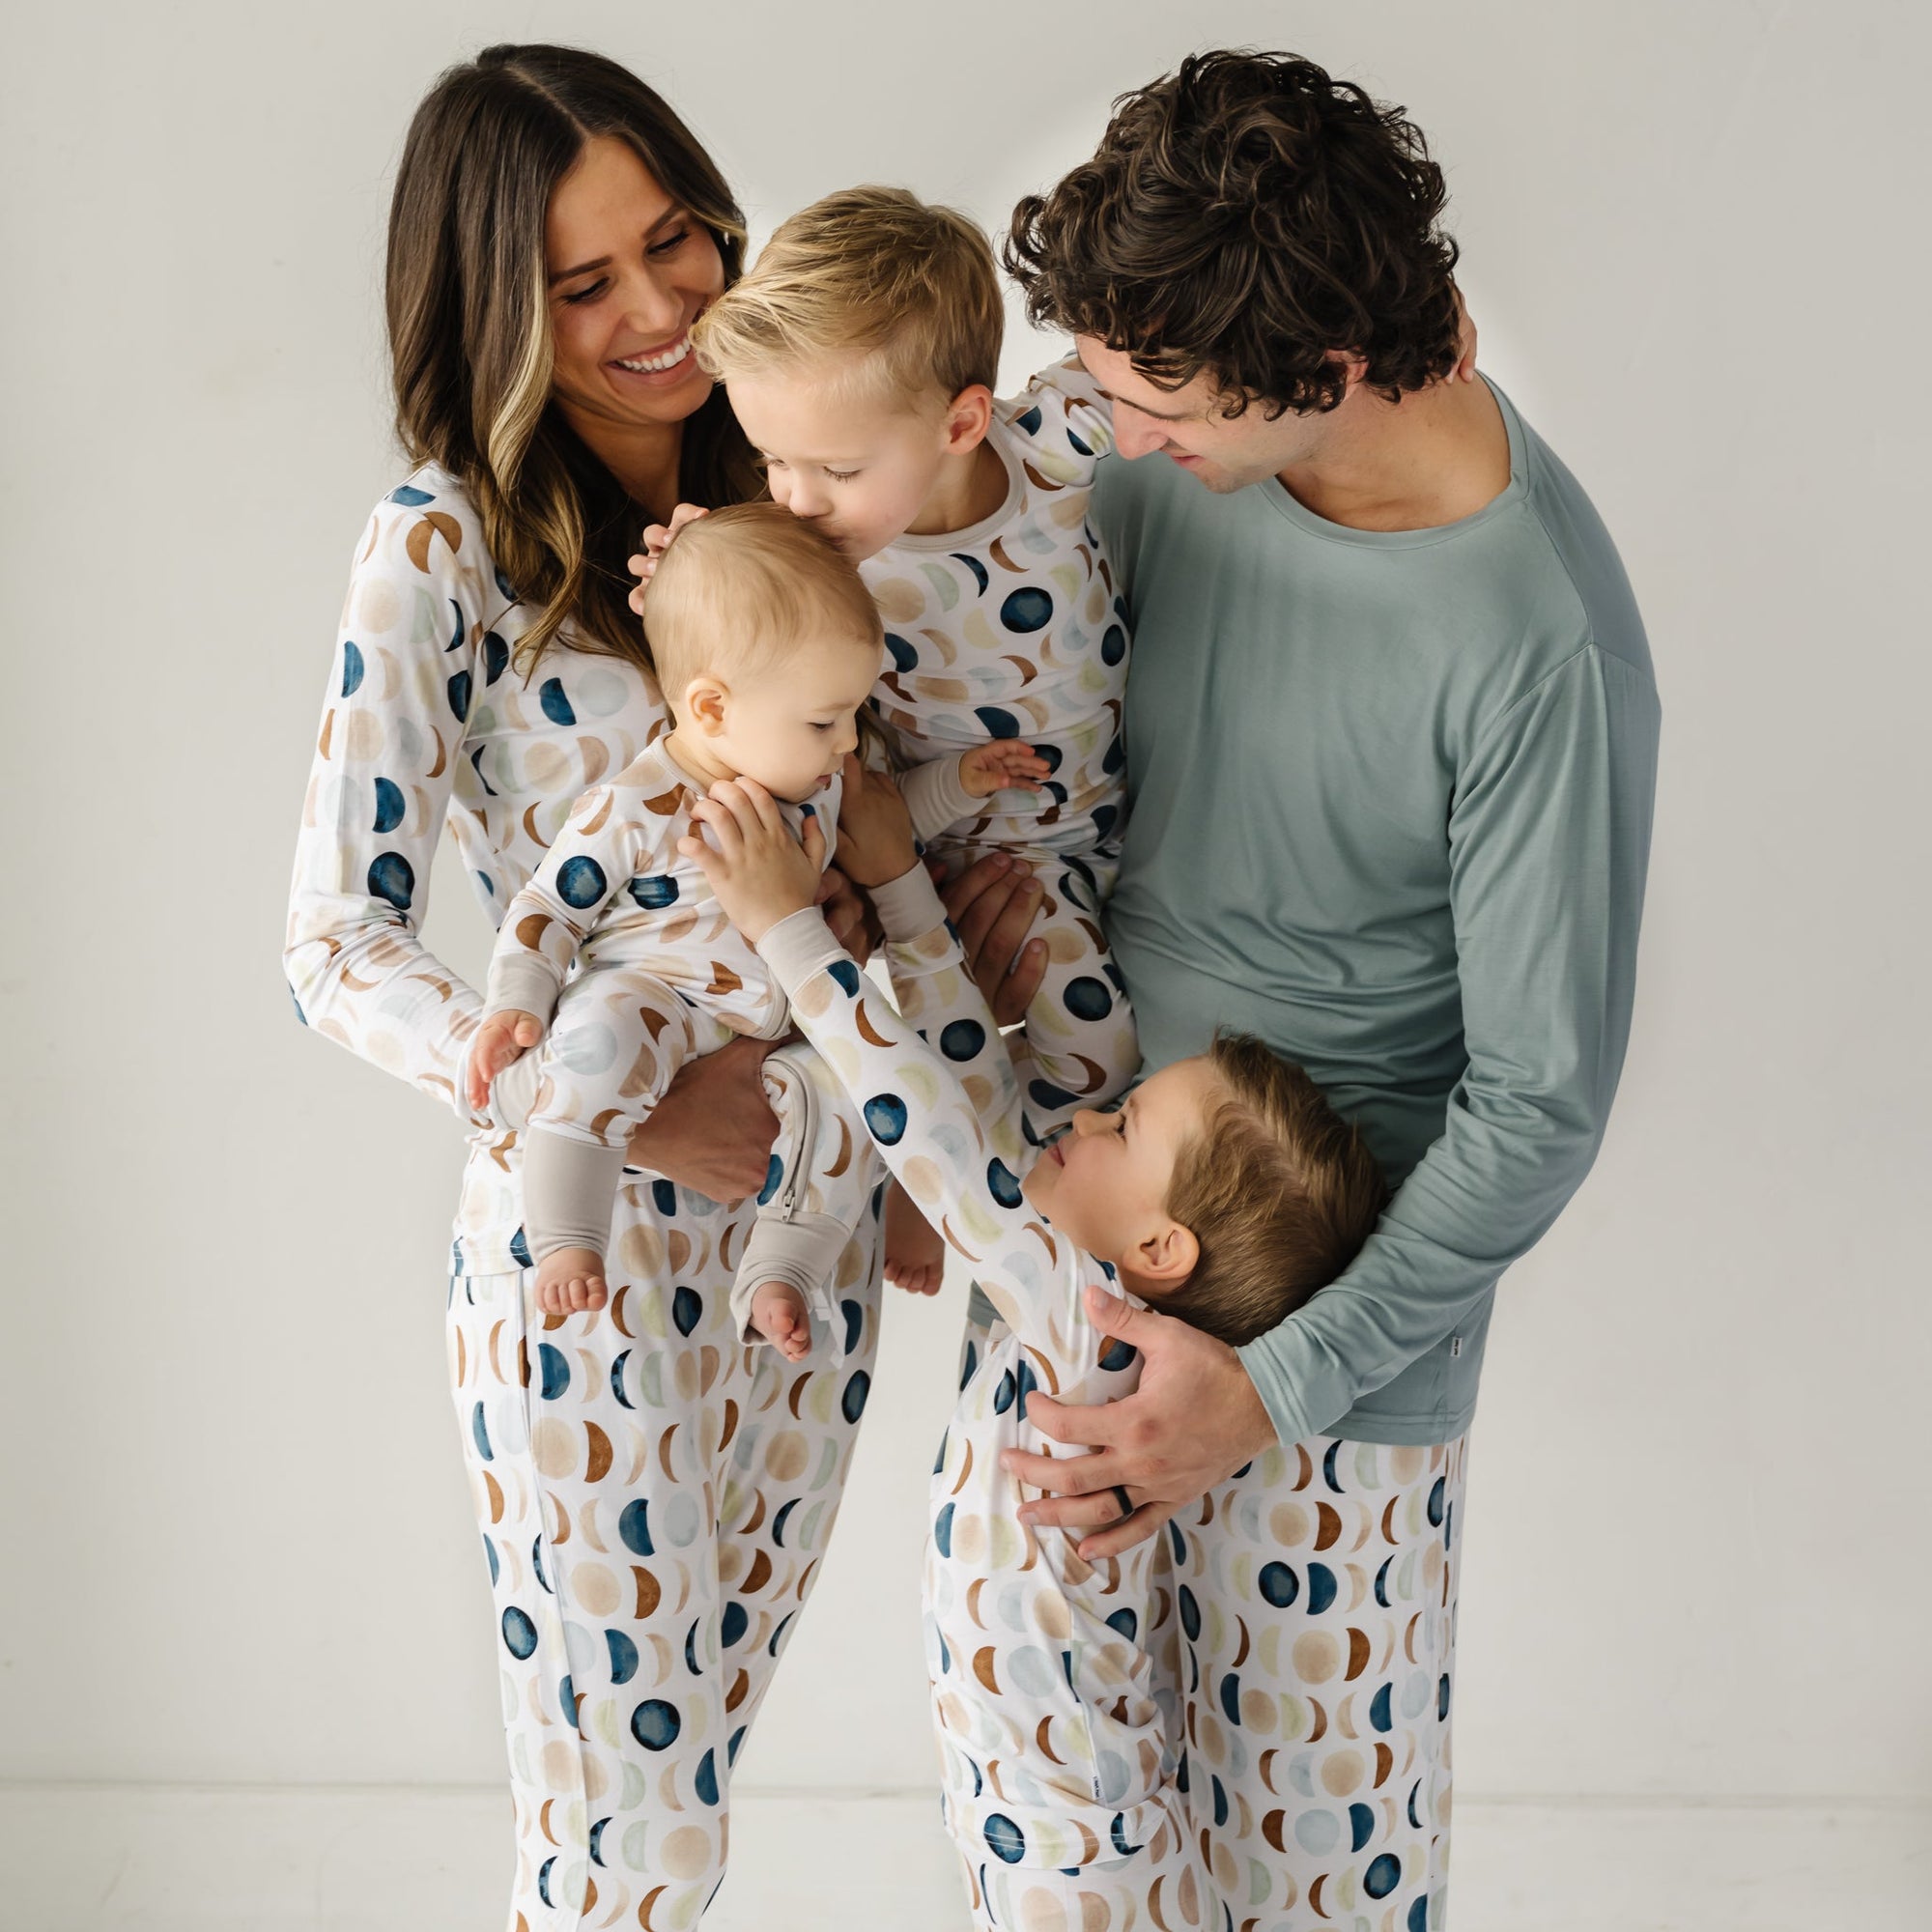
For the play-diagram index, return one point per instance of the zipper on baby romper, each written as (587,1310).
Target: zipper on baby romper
(802,1143)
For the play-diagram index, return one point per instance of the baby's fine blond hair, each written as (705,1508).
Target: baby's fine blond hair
(912,286)
(736,588)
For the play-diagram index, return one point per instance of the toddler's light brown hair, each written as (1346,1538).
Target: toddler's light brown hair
(1278,1190)
(871,268)
(735,588)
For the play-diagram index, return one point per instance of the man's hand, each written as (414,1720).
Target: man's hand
(656,539)
(502,1040)
(714,1128)
(875,840)
(991,904)
(1195,1419)
(1003,764)
(759,871)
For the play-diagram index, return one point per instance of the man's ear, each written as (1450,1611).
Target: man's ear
(1353,366)
(968,417)
(1164,1259)
(705,699)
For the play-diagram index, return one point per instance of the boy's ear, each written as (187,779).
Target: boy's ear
(968,417)
(705,702)
(1166,1257)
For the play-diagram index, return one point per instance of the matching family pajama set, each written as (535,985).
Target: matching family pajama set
(653,1498)
(1012,629)
(661,975)
(1058,1760)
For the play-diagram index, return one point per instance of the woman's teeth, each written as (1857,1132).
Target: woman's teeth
(654,365)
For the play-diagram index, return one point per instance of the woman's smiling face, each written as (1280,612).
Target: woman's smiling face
(627,270)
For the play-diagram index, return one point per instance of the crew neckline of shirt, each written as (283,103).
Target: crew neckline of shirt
(1505,499)
(987,527)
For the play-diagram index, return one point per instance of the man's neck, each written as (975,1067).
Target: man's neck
(1436,456)
(644,457)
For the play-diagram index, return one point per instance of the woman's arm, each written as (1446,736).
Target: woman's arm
(392,729)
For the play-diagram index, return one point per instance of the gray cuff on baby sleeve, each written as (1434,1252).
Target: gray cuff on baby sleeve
(524,981)
(909,906)
(798,946)
(936,797)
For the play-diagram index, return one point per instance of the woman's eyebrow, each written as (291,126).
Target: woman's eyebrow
(671,210)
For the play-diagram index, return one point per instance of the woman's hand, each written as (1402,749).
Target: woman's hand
(714,1128)
(875,841)
(991,904)
(656,539)
(1195,1419)
(759,871)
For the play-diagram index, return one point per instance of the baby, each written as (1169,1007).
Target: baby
(859,355)
(1224,1192)
(765,643)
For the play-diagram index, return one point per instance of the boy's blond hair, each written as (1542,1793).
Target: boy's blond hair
(735,588)
(871,268)
(1277,1190)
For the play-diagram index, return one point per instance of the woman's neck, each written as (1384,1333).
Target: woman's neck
(644,457)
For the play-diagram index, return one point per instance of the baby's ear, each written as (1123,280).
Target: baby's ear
(705,699)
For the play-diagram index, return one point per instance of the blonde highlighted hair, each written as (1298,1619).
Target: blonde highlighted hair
(735,589)
(1279,1192)
(469,327)
(912,286)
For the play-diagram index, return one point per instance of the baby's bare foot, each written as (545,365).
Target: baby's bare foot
(778,1315)
(570,1281)
(915,1254)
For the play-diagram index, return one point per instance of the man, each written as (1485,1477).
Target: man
(1391,745)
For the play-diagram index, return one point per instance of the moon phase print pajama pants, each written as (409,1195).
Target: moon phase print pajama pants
(1315,1638)
(654,1500)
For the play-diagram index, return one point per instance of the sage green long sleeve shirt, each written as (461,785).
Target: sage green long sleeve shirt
(1390,809)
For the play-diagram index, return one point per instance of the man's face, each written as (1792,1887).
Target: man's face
(1188,426)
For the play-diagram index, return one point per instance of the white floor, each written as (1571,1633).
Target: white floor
(167,1858)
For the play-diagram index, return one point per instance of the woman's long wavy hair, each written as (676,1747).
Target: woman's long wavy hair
(469,331)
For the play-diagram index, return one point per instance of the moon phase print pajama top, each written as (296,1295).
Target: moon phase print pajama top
(652,1498)
(1056,1761)
(620,936)
(1012,629)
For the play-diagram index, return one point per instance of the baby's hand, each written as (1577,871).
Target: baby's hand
(657,538)
(759,871)
(504,1038)
(875,839)
(1002,766)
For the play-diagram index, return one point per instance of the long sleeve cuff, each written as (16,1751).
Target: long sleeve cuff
(800,945)
(522,982)
(909,906)
(936,797)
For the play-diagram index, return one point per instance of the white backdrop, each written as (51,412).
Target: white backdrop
(237,1539)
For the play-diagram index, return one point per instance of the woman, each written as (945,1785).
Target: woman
(653,1499)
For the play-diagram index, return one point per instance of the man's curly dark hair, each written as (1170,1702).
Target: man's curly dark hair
(1248,217)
